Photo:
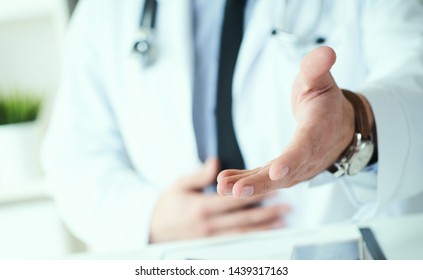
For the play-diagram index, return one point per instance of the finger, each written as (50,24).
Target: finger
(247,218)
(229,177)
(253,185)
(315,68)
(231,172)
(202,178)
(297,163)
(217,205)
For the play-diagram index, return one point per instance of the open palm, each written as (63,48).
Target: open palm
(325,121)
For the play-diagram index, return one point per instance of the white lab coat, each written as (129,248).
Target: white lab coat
(121,133)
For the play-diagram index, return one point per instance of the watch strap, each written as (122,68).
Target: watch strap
(361,119)
(362,127)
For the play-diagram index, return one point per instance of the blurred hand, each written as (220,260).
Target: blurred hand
(325,128)
(184,211)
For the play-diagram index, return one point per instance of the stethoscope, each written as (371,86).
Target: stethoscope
(145,48)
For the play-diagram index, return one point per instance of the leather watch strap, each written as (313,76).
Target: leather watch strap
(364,133)
(361,119)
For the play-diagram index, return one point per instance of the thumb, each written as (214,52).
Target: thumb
(203,177)
(315,67)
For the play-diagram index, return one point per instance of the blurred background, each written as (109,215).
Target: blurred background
(32,35)
(31,40)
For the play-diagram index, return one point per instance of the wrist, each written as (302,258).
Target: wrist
(360,151)
(372,124)
(348,126)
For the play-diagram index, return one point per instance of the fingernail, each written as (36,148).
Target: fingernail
(228,190)
(225,191)
(283,172)
(247,192)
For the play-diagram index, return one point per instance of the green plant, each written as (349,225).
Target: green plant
(18,106)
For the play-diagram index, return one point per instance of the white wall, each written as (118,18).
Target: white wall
(31,35)
(29,55)
(31,38)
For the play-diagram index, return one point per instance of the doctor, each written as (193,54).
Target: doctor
(132,147)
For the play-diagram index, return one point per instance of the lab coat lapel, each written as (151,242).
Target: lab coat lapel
(255,36)
(175,56)
(176,27)
(168,84)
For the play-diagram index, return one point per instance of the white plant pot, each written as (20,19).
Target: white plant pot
(19,154)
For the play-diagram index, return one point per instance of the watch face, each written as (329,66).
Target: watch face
(361,158)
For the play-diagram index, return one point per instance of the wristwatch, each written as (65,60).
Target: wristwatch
(361,149)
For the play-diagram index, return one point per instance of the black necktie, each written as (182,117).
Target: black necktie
(227,146)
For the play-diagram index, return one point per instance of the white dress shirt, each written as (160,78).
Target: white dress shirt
(208,20)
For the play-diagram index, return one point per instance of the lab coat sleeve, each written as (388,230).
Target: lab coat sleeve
(100,196)
(393,47)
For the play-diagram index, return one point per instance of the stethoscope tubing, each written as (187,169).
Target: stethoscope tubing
(146,49)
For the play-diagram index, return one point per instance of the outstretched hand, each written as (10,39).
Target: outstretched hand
(183,211)
(325,121)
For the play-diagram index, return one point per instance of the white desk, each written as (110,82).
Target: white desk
(30,226)
(400,238)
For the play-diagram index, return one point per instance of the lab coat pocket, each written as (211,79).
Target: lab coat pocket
(296,46)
